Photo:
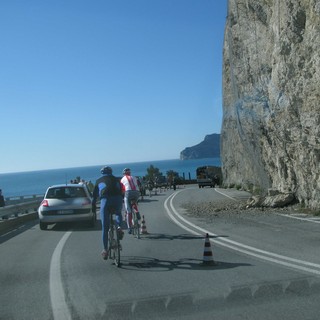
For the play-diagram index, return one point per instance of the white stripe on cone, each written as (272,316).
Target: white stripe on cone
(143,226)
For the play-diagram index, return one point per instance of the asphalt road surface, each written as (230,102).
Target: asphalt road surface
(265,267)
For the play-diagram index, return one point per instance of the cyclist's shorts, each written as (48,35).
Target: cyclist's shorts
(132,195)
(114,202)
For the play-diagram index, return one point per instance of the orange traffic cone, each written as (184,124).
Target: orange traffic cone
(143,226)
(207,254)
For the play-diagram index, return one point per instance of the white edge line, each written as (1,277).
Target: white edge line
(235,245)
(58,302)
(298,218)
(279,214)
(234,199)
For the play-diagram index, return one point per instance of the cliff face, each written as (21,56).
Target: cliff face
(208,148)
(271,78)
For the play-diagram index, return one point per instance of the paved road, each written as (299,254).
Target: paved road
(287,239)
(58,274)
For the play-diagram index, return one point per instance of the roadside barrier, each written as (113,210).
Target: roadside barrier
(207,254)
(143,226)
(23,199)
(14,215)
(16,209)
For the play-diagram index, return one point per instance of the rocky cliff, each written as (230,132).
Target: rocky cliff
(270,135)
(208,148)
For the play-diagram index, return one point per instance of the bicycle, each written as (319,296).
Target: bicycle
(114,242)
(135,218)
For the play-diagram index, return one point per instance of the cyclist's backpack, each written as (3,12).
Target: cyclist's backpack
(112,188)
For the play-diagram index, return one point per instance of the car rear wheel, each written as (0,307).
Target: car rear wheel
(43,226)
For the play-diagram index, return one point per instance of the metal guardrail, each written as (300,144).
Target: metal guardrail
(22,199)
(20,208)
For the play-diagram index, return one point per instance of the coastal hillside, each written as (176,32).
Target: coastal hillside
(208,148)
(270,136)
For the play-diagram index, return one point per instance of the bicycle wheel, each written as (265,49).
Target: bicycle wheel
(111,243)
(136,229)
(117,248)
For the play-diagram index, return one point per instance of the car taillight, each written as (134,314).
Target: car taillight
(86,202)
(45,203)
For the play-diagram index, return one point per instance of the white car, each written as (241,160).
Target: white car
(66,203)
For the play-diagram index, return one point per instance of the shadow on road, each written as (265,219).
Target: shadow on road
(144,200)
(156,265)
(163,236)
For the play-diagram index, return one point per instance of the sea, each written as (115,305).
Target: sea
(36,182)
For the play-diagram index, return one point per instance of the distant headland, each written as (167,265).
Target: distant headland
(208,148)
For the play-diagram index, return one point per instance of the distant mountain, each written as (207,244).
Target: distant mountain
(208,148)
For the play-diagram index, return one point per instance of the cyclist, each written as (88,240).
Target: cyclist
(108,189)
(131,192)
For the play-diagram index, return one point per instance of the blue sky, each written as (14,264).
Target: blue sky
(90,82)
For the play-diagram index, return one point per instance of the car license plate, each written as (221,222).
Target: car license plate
(65,211)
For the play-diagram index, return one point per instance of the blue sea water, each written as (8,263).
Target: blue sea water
(36,182)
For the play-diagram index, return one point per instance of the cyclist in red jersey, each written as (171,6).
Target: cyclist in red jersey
(131,192)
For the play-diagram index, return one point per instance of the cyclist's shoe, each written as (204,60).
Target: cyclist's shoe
(138,215)
(120,233)
(130,230)
(104,254)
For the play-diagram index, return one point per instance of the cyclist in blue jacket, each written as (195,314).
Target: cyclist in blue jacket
(109,190)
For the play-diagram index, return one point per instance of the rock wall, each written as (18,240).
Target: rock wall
(270,135)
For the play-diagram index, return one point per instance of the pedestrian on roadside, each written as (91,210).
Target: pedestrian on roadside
(90,186)
(174,184)
(2,203)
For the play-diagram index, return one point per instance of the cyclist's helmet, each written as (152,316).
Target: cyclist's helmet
(106,170)
(126,170)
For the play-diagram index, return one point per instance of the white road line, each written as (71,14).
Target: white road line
(234,199)
(310,219)
(58,302)
(237,246)
(314,220)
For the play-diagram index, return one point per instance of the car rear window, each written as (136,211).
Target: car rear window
(65,192)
